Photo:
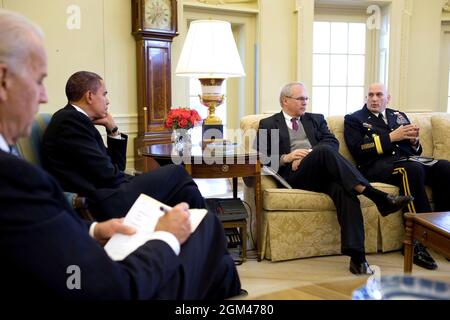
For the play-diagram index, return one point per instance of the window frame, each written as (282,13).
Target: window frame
(350,15)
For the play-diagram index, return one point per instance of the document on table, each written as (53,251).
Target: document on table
(143,216)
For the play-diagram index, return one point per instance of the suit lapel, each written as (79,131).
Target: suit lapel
(91,127)
(308,125)
(285,144)
(371,119)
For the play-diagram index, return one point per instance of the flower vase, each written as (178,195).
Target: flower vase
(181,138)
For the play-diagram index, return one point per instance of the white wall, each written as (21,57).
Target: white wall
(103,44)
(278,49)
(424,57)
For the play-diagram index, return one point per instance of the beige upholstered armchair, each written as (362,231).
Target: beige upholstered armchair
(299,224)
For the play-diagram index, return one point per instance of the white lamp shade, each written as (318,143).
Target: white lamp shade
(209,51)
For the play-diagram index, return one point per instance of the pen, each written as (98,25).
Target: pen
(164,209)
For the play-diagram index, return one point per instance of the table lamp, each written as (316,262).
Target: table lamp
(210,54)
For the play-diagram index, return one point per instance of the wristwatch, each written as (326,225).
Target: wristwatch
(113,131)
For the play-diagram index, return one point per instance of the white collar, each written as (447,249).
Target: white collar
(79,109)
(377,113)
(3,145)
(288,117)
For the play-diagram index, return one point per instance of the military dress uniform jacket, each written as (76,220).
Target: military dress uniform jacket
(367,138)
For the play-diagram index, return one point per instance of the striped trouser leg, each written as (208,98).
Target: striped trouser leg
(405,186)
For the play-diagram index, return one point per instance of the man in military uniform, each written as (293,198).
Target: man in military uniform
(386,147)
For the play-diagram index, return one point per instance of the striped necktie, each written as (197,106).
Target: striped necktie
(294,124)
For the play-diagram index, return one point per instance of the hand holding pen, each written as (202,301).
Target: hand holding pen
(175,221)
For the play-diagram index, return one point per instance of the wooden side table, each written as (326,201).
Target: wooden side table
(201,162)
(431,229)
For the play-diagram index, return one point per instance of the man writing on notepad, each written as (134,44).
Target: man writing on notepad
(48,251)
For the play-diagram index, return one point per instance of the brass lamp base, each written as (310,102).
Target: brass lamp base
(211,98)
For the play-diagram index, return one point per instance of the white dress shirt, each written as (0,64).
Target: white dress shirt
(3,145)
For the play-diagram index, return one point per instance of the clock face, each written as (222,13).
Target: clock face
(158,14)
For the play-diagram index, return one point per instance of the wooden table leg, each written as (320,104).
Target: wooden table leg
(244,240)
(408,243)
(258,207)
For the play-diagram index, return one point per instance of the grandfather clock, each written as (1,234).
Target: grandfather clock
(154,26)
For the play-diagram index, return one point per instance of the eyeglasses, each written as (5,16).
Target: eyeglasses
(299,98)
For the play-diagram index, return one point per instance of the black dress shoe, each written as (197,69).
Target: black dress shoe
(422,258)
(423,251)
(243,293)
(393,203)
(360,268)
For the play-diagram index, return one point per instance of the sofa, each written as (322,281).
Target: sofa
(298,223)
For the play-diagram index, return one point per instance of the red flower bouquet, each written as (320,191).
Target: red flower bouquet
(181,118)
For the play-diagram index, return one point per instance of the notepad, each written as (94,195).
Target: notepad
(143,216)
(427,161)
(269,171)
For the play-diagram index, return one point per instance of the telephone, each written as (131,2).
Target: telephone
(228,210)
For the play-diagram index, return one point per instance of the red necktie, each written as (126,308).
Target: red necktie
(294,124)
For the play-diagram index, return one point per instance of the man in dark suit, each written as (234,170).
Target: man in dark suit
(309,159)
(48,251)
(381,140)
(74,153)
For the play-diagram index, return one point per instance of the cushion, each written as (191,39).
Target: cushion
(441,136)
(336,126)
(249,125)
(276,199)
(423,121)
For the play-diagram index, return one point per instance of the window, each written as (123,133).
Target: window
(339,59)
(195,89)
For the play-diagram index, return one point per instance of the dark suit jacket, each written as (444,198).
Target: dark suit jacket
(367,138)
(316,130)
(40,237)
(74,153)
